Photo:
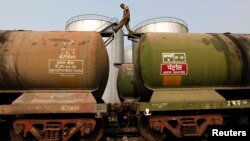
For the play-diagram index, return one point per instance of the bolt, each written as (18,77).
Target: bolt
(87,130)
(19,129)
(156,126)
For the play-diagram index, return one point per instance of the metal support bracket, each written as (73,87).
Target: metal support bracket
(134,37)
(110,37)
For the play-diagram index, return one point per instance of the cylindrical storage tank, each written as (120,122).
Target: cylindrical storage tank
(190,60)
(126,84)
(162,24)
(99,23)
(52,60)
(128,54)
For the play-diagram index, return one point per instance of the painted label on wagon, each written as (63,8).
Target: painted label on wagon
(67,63)
(174,69)
(173,57)
(59,66)
(172,80)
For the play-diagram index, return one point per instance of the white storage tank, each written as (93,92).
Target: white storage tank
(162,24)
(93,22)
(128,55)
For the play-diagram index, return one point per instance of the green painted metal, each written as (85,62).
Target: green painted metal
(186,95)
(210,60)
(126,84)
(210,105)
(243,43)
(54,108)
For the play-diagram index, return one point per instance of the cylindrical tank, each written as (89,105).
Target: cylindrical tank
(128,54)
(192,60)
(243,42)
(52,60)
(160,24)
(126,84)
(88,22)
(99,23)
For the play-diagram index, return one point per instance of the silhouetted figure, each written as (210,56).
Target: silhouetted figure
(125,20)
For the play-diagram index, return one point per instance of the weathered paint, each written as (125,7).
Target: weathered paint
(55,98)
(126,84)
(57,108)
(53,129)
(52,60)
(211,60)
(185,125)
(34,103)
(186,95)
(209,105)
(243,43)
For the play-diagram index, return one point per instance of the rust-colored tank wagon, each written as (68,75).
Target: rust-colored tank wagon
(52,60)
(193,60)
(50,73)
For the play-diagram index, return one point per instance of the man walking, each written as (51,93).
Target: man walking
(125,20)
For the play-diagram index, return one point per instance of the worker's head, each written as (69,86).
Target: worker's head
(122,5)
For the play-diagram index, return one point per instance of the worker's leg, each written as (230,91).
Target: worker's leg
(127,25)
(122,22)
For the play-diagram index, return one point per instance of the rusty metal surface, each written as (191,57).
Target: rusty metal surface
(148,134)
(184,95)
(35,103)
(52,130)
(47,108)
(50,108)
(181,126)
(55,98)
(52,60)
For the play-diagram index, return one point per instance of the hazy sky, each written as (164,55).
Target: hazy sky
(213,16)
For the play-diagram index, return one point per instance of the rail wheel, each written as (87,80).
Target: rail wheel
(148,134)
(15,137)
(98,132)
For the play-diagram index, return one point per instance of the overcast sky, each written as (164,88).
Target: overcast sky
(213,16)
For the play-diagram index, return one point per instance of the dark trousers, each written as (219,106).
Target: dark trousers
(125,21)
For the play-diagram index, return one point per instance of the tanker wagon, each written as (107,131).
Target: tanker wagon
(187,82)
(51,84)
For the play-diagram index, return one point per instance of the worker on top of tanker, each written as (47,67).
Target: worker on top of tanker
(125,20)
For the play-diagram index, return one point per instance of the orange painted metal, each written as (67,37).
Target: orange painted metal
(34,103)
(55,98)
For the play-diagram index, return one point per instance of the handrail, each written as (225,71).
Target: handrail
(160,19)
(107,24)
(88,17)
